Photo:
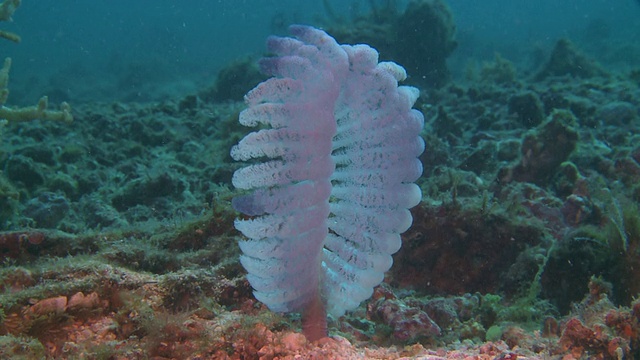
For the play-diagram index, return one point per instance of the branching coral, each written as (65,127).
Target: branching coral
(7,9)
(38,111)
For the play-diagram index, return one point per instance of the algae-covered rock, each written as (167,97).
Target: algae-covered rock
(47,210)
(544,149)
(528,108)
(24,171)
(499,71)
(147,190)
(420,39)
(234,81)
(617,113)
(9,201)
(567,60)
(425,39)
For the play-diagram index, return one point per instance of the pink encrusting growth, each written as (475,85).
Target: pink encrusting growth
(332,177)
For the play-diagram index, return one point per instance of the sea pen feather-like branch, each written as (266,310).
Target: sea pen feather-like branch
(336,175)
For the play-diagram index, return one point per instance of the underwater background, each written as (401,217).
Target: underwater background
(116,229)
(172,49)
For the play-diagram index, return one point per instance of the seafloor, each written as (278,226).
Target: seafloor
(118,238)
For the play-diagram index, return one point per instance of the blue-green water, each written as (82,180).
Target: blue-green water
(67,44)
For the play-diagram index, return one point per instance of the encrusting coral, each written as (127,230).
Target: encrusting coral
(38,111)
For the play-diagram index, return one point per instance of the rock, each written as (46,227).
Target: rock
(23,170)
(528,108)
(47,210)
(616,113)
(544,150)
(425,39)
(567,60)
